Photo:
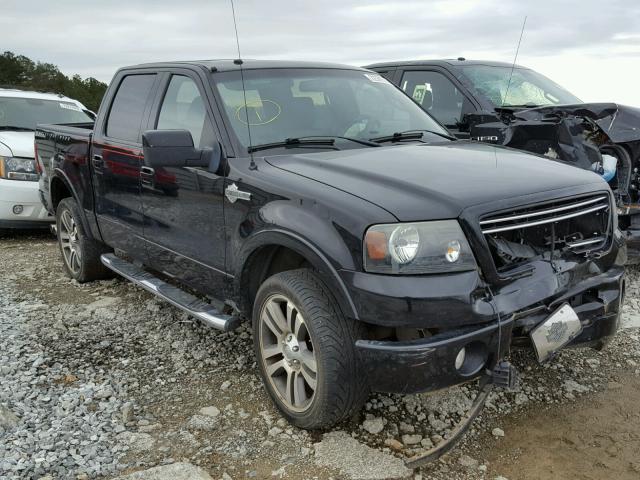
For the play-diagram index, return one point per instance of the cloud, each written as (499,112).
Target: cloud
(94,39)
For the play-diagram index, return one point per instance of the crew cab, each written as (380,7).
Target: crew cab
(370,249)
(515,106)
(20,111)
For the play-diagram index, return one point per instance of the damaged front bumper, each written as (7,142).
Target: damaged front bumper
(503,318)
(437,362)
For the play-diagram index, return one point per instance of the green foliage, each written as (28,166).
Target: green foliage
(18,71)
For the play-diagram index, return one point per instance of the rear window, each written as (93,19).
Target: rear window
(127,109)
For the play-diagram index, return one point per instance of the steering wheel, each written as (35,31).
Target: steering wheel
(363,126)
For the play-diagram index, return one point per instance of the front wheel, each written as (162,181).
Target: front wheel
(306,352)
(80,253)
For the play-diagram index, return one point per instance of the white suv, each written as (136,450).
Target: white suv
(20,112)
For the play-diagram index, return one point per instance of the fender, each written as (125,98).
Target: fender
(306,248)
(91,228)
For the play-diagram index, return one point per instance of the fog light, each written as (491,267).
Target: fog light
(462,354)
(18,209)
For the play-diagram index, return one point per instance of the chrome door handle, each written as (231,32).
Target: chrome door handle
(147,175)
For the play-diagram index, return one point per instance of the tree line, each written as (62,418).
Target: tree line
(18,71)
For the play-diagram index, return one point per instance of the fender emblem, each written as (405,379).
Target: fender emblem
(233,193)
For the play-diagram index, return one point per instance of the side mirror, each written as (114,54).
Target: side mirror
(174,148)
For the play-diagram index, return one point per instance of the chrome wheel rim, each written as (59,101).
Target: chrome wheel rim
(69,242)
(287,353)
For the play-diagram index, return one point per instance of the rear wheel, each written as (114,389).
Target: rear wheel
(306,350)
(81,254)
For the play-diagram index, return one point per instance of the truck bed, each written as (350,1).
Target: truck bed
(66,148)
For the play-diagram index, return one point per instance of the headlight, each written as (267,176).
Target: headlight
(13,168)
(417,248)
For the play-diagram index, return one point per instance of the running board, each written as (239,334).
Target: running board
(205,312)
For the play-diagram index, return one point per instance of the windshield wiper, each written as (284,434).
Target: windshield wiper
(361,141)
(13,127)
(295,142)
(524,105)
(409,135)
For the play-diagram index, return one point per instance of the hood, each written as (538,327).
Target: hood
(434,181)
(20,143)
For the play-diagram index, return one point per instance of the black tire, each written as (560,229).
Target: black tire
(341,387)
(87,266)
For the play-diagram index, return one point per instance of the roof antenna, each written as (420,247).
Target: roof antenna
(238,61)
(514,62)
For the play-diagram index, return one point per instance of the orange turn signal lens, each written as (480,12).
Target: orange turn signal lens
(1,167)
(376,243)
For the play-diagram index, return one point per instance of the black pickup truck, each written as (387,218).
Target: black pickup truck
(370,249)
(515,106)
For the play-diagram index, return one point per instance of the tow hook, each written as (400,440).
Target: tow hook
(503,375)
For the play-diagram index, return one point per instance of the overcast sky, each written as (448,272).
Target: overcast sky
(591,47)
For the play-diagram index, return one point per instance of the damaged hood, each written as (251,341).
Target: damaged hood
(434,181)
(572,133)
(621,123)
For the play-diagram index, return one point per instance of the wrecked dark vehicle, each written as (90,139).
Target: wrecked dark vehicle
(370,250)
(484,101)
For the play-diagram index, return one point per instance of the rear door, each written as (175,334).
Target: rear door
(183,206)
(439,95)
(116,158)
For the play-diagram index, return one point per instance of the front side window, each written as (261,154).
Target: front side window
(438,95)
(183,108)
(294,103)
(25,113)
(523,88)
(127,110)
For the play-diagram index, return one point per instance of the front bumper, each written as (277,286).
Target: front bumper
(470,318)
(429,364)
(26,195)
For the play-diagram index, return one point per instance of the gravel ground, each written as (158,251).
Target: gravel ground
(101,380)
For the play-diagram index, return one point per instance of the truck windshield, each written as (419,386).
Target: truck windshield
(297,103)
(25,113)
(527,88)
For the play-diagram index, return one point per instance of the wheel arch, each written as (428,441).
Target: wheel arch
(266,254)
(61,187)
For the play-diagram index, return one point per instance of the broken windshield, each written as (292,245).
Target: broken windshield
(526,89)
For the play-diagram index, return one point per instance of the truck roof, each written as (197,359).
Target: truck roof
(447,63)
(17,93)
(228,64)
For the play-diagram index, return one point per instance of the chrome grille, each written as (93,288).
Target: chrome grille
(577,225)
(546,214)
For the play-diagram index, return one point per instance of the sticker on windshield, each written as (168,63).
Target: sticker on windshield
(70,106)
(375,77)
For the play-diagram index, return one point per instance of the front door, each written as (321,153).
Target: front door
(183,206)
(116,158)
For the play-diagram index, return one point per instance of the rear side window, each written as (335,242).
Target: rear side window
(127,109)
